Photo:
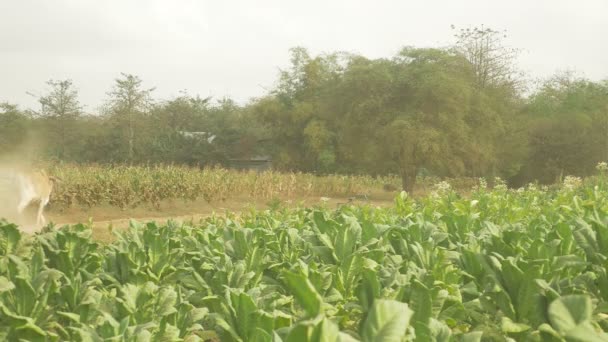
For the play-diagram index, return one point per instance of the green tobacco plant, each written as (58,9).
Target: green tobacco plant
(498,265)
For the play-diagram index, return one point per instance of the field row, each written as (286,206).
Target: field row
(130,186)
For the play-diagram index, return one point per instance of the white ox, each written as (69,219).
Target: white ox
(31,187)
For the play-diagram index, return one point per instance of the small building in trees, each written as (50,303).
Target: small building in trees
(199,135)
(240,153)
(257,163)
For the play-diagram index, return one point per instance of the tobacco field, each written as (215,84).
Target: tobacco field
(497,265)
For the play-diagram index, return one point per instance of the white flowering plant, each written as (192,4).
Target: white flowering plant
(572,182)
(481,185)
(500,184)
(441,189)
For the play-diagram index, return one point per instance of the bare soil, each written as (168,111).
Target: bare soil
(107,218)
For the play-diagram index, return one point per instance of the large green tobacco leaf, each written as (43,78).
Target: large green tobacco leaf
(317,330)
(474,336)
(241,319)
(567,312)
(21,326)
(5,284)
(26,303)
(304,292)
(427,305)
(349,273)
(245,314)
(510,327)
(10,238)
(146,303)
(387,321)
(440,332)
(586,239)
(571,317)
(421,303)
(326,331)
(368,289)
(71,251)
(349,235)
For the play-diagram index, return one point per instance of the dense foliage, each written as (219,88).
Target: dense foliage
(514,265)
(463,110)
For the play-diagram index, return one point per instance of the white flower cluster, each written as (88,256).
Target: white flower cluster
(572,182)
(602,167)
(499,184)
(482,184)
(440,189)
(443,187)
(532,187)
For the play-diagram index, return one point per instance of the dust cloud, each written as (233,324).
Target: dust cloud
(21,158)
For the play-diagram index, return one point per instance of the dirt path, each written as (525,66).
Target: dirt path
(107,218)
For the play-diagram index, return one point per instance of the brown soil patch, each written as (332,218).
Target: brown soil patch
(107,218)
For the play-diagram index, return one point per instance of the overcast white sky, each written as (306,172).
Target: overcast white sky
(234,48)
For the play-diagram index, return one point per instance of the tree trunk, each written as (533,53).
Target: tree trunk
(408,180)
(62,133)
(131,138)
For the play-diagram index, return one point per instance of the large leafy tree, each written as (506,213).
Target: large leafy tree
(497,147)
(297,113)
(363,100)
(568,128)
(426,127)
(350,114)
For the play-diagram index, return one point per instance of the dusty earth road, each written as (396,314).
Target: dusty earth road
(108,218)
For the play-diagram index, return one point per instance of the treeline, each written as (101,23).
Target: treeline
(130,127)
(462,110)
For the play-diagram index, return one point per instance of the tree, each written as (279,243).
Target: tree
(240,134)
(493,62)
(568,128)
(61,108)
(61,102)
(422,109)
(365,101)
(128,103)
(408,113)
(600,117)
(298,113)
(182,113)
(14,126)
(498,145)
(429,127)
